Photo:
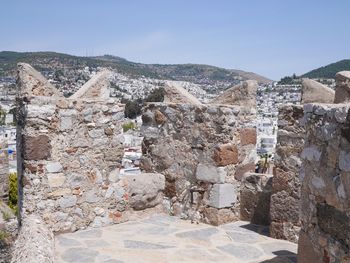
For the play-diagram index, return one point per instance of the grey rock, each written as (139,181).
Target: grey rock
(68,201)
(342,89)
(79,255)
(210,173)
(54,167)
(222,195)
(244,252)
(144,245)
(145,190)
(201,234)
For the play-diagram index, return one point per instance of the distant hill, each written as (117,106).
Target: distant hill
(200,74)
(329,71)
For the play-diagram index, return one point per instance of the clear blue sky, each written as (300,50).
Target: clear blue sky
(270,37)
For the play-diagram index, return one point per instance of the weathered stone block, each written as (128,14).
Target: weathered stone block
(37,147)
(56,180)
(145,190)
(226,154)
(222,195)
(216,217)
(210,173)
(54,167)
(248,136)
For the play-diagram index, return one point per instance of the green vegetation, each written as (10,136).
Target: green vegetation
(288,80)
(3,235)
(128,126)
(156,95)
(13,192)
(132,108)
(329,71)
(6,216)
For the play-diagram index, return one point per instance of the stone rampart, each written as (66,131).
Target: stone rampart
(325,192)
(285,198)
(203,151)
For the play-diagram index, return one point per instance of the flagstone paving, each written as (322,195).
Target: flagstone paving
(170,239)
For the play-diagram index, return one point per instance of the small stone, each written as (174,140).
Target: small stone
(54,167)
(210,173)
(226,154)
(248,136)
(37,148)
(68,201)
(56,180)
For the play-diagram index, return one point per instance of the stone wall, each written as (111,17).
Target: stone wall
(4,172)
(35,242)
(203,151)
(70,152)
(285,198)
(325,194)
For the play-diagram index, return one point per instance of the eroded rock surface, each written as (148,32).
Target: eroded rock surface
(243,94)
(342,90)
(313,91)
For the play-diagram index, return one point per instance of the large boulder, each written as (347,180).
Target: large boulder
(315,92)
(32,83)
(243,94)
(342,91)
(145,190)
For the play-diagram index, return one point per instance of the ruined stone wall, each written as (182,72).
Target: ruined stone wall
(4,172)
(203,150)
(285,198)
(325,192)
(70,151)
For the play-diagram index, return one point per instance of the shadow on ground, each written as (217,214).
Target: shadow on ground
(282,256)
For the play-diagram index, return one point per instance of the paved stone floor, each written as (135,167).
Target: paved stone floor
(169,239)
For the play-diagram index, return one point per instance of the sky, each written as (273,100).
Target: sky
(273,38)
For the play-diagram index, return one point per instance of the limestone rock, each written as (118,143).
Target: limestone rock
(96,88)
(243,94)
(222,195)
(315,92)
(216,217)
(210,173)
(32,83)
(175,93)
(145,190)
(342,90)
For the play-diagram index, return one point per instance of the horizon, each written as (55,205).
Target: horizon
(271,38)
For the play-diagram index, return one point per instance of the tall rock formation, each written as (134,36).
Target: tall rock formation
(342,91)
(313,91)
(243,94)
(32,83)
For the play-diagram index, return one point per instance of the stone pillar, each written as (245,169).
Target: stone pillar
(325,191)
(284,211)
(4,172)
(342,90)
(255,197)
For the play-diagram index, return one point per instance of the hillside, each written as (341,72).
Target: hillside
(49,61)
(328,71)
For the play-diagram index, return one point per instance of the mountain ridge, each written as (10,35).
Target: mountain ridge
(196,73)
(328,71)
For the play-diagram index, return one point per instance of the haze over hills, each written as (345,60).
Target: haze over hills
(199,74)
(328,71)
